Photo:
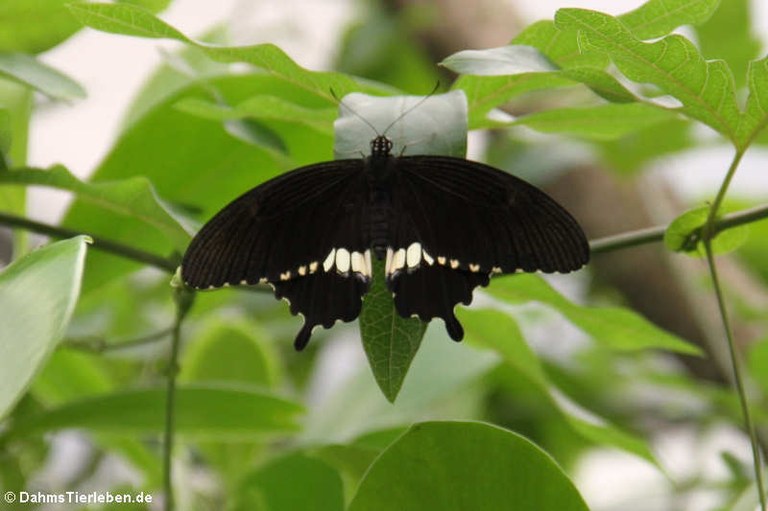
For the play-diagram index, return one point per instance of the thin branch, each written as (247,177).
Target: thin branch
(113,247)
(655,234)
(100,345)
(183,299)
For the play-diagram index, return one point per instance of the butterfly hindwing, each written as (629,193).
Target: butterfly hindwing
(455,222)
(303,232)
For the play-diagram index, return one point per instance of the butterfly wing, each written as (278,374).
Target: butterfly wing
(302,232)
(456,222)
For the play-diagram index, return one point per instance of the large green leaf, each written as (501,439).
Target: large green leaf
(615,327)
(130,20)
(32,72)
(201,411)
(134,198)
(455,466)
(37,297)
(674,64)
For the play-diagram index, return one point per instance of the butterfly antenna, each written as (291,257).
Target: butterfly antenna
(414,107)
(350,109)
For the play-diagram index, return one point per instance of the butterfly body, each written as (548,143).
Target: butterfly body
(442,225)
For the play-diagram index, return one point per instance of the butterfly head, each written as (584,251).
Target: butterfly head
(381,146)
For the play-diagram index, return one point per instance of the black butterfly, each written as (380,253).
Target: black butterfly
(443,225)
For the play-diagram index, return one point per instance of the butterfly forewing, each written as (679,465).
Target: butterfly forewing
(303,232)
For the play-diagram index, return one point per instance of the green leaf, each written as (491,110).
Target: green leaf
(755,117)
(34,26)
(436,125)
(350,460)
(229,352)
(617,328)
(32,72)
(684,234)
(633,151)
(205,412)
(390,341)
(732,17)
(705,88)
(130,20)
(68,375)
(600,122)
(134,198)
(657,18)
(37,296)
(320,486)
(262,107)
(464,465)
(498,331)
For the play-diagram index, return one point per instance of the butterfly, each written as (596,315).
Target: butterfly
(442,225)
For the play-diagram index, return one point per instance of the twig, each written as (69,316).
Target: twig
(99,243)
(655,234)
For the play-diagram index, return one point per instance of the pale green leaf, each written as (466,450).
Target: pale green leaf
(32,72)
(37,296)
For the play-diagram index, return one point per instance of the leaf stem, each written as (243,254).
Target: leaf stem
(709,231)
(113,247)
